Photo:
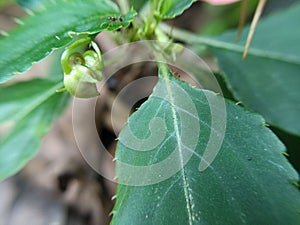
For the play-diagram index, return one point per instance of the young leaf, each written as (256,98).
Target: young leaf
(32,106)
(171,8)
(247,183)
(45,31)
(268,80)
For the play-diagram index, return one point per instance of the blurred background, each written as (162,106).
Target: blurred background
(58,187)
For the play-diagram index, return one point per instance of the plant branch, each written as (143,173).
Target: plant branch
(191,38)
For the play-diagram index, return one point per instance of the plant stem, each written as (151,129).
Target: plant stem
(144,12)
(124,5)
(191,38)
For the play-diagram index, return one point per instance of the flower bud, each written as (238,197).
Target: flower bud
(94,63)
(82,71)
(80,82)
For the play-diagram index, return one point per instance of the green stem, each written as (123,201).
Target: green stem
(124,6)
(191,38)
(150,13)
(145,11)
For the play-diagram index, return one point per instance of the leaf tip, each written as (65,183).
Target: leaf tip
(285,154)
(29,12)
(114,197)
(112,213)
(4,33)
(265,124)
(18,21)
(295,183)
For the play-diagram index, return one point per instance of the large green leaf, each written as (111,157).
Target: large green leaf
(247,183)
(171,8)
(45,31)
(268,80)
(31,106)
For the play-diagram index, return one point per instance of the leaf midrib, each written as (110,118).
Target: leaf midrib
(177,133)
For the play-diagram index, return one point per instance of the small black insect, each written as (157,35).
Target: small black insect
(112,18)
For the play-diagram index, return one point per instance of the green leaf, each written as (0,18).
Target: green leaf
(31,106)
(268,80)
(43,32)
(248,182)
(34,5)
(3,2)
(171,8)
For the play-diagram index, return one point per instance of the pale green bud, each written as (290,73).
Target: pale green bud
(81,83)
(94,63)
(82,71)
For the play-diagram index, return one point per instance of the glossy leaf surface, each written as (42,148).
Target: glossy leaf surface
(248,181)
